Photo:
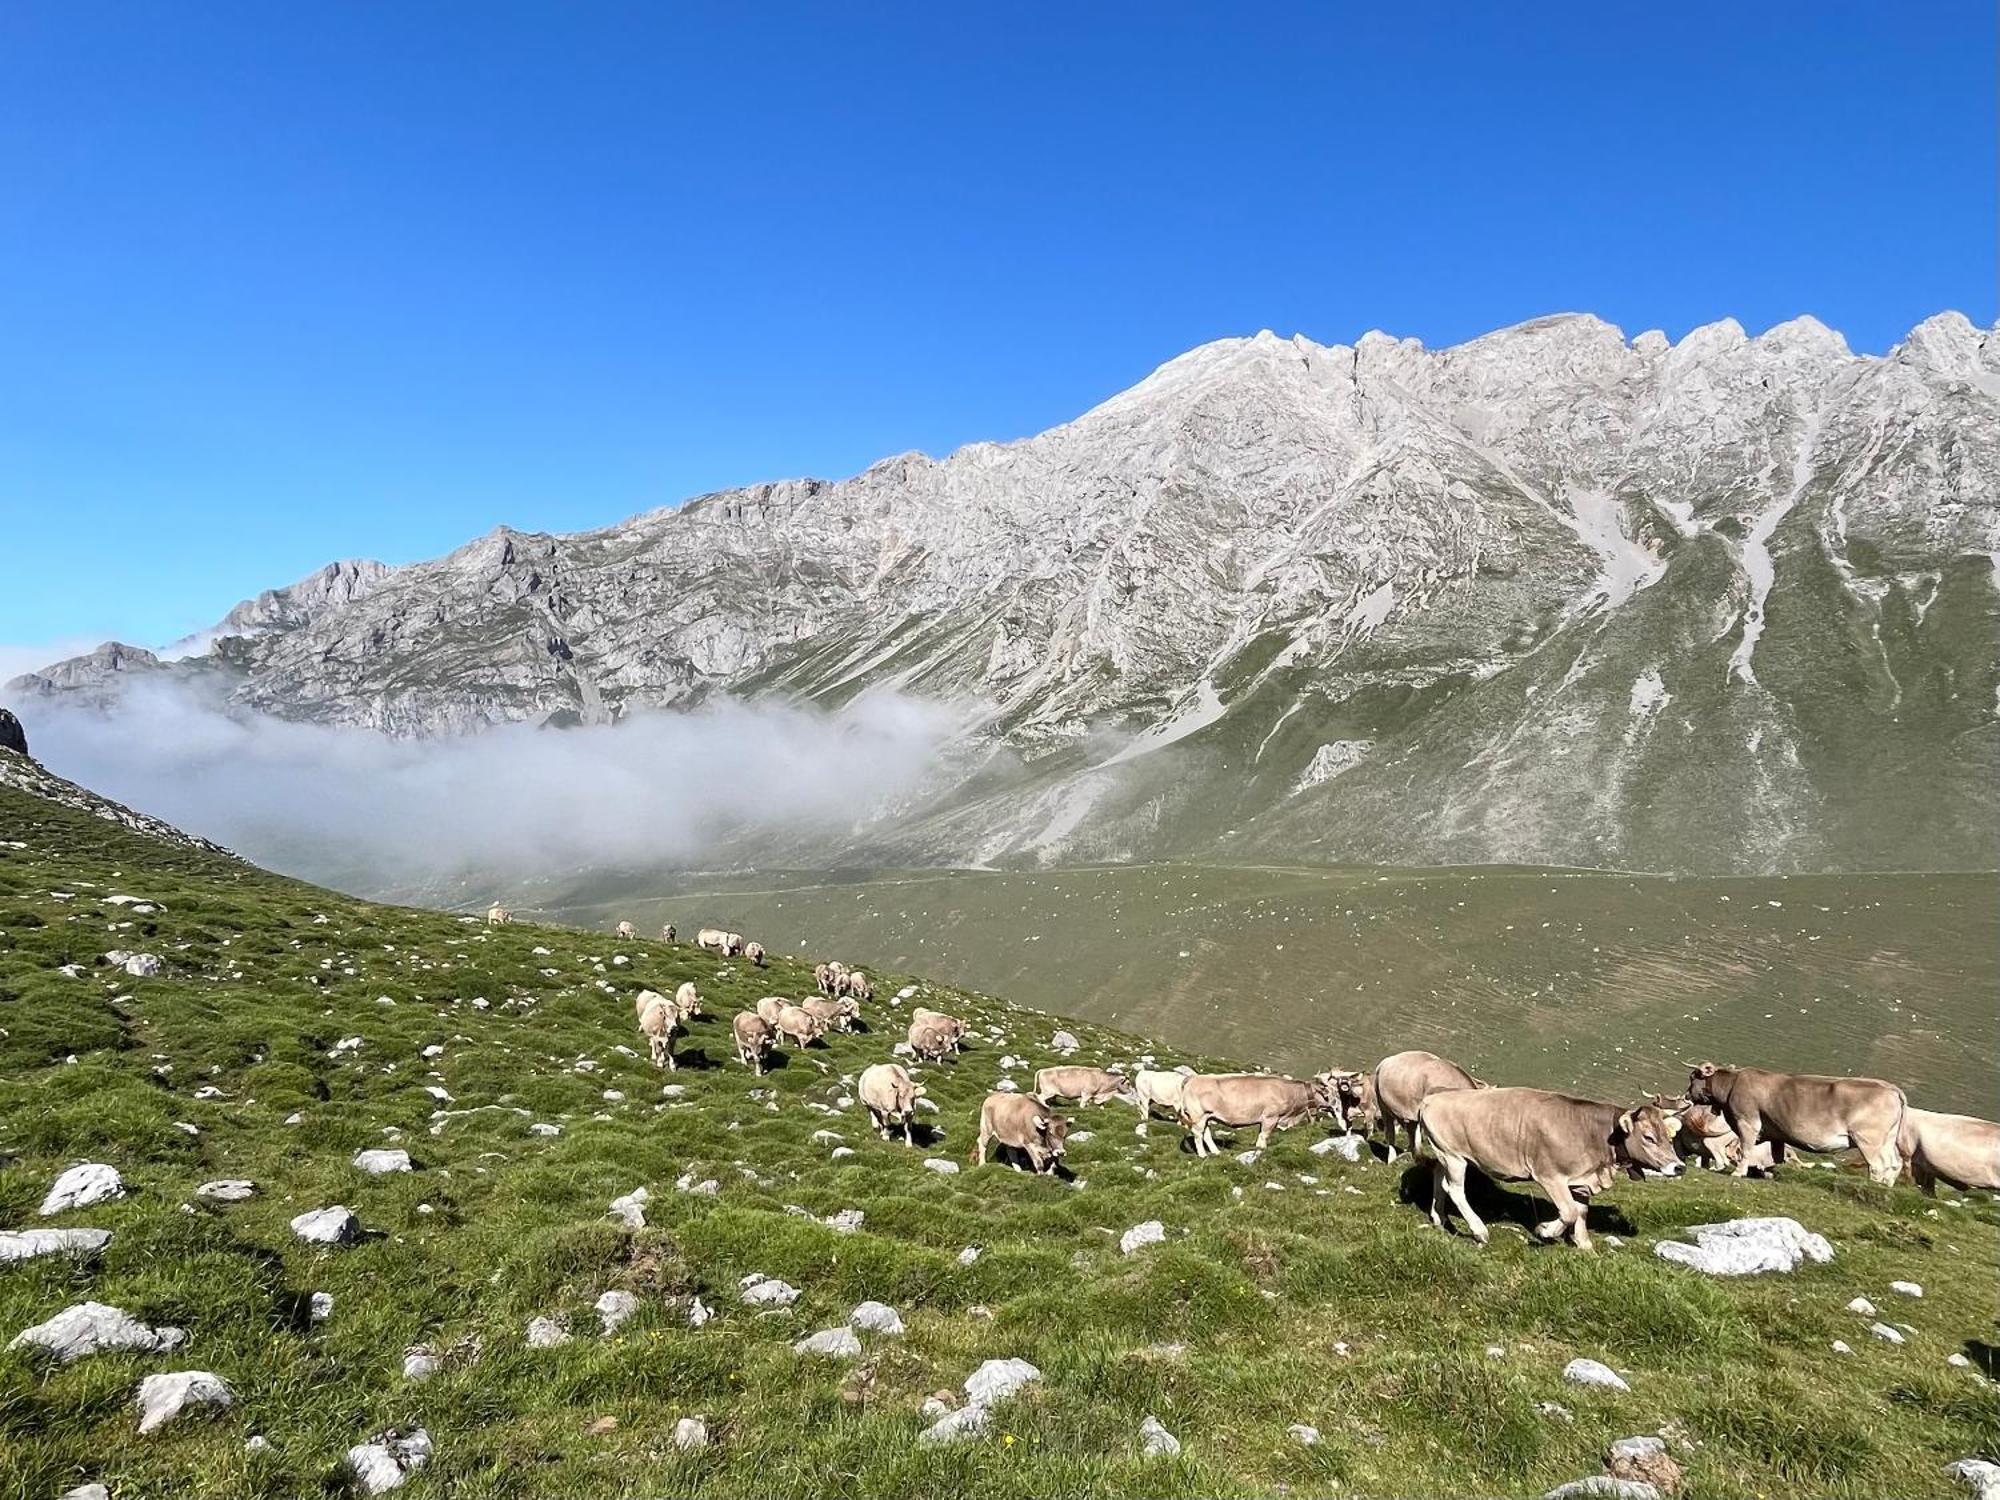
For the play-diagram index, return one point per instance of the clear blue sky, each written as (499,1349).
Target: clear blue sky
(283,283)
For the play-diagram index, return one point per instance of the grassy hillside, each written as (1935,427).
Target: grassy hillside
(1573,979)
(1300,1289)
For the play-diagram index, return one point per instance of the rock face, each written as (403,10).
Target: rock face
(1747,1247)
(1612,602)
(90,1327)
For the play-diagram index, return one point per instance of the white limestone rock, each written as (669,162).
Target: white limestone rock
(81,1186)
(89,1327)
(1590,1372)
(1747,1247)
(161,1398)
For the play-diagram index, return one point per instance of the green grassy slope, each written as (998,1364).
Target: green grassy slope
(1571,979)
(1314,1296)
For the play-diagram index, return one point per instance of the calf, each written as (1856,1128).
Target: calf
(859,985)
(669,933)
(1569,1148)
(657,1023)
(1806,1112)
(1025,1124)
(687,999)
(835,1015)
(1235,1099)
(754,1040)
(891,1096)
(951,1026)
(498,915)
(1153,1090)
(1404,1080)
(732,944)
(1085,1085)
(1700,1131)
(1962,1150)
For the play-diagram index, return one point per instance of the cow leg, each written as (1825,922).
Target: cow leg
(1437,1194)
(1570,1214)
(1747,1130)
(1454,1184)
(1264,1135)
(984,1136)
(906,1132)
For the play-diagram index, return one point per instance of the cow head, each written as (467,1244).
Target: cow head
(1673,1106)
(1701,1083)
(1054,1133)
(1323,1095)
(1645,1138)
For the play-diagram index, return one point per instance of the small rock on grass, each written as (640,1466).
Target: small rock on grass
(81,1186)
(328,1226)
(1593,1373)
(1603,1487)
(1152,1232)
(1305,1436)
(384,1464)
(1977,1475)
(1155,1441)
(90,1327)
(690,1433)
(834,1343)
(876,1317)
(163,1397)
(616,1309)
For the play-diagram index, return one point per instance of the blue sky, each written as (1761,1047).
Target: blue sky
(280,284)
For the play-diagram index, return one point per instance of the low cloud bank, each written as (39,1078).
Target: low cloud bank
(370,813)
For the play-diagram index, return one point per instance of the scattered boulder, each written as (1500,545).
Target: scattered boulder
(1603,1487)
(84,1491)
(1645,1460)
(1977,1475)
(1155,1441)
(81,1186)
(26,1244)
(322,1306)
(876,1317)
(631,1208)
(1747,1247)
(328,1226)
(1593,1373)
(1863,1306)
(1064,1043)
(377,1162)
(690,1433)
(1906,1288)
(847,1221)
(997,1379)
(698,1313)
(968,1255)
(616,1308)
(1152,1232)
(835,1343)
(764,1292)
(163,1397)
(967,1421)
(90,1327)
(1302,1434)
(227,1190)
(1885,1333)
(547,1333)
(940,1164)
(1346,1147)
(421,1361)
(139,965)
(386,1462)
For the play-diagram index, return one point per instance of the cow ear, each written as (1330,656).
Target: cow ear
(1625,1123)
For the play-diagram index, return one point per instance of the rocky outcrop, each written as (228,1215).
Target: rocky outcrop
(1724,604)
(12,735)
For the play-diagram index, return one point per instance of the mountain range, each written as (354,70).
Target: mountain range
(1552,596)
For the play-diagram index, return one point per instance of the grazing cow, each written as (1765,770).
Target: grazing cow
(954,1028)
(498,915)
(1702,1132)
(1962,1150)
(657,1023)
(754,1040)
(823,977)
(859,985)
(646,998)
(670,933)
(1085,1085)
(627,930)
(1025,1124)
(891,1096)
(1267,1101)
(713,938)
(1404,1080)
(1806,1112)
(1152,1089)
(799,1026)
(769,1007)
(687,999)
(755,953)
(732,944)
(932,1041)
(1569,1148)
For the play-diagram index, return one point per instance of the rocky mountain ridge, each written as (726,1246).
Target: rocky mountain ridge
(1550,596)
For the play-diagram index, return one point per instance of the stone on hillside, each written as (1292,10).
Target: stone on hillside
(89,1327)
(547,1333)
(940,1164)
(1152,1232)
(1603,1487)
(998,1379)
(690,1433)
(1841,1346)
(1747,1247)
(1645,1460)
(384,1464)
(846,1221)
(227,1190)
(163,1397)
(836,1343)
(765,1292)
(1555,1411)
(377,1162)
(1155,1441)
(1906,1288)
(1346,1147)
(616,1308)
(322,1306)
(631,1208)
(1977,1475)
(968,1255)
(1885,1333)
(1863,1306)
(81,1186)
(142,965)
(967,1421)
(841,1153)
(420,1362)
(698,1313)
(543,1127)
(328,1226)
(876,1317)
(1593,1373)
(84,1491)
(26,1244)
(1064,1043)
(1302,1434)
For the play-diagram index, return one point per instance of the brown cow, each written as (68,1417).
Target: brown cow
(1267,1101)
(891,1096)
(839,1015)
(932,1040)
(755,953)
(1962,1150)
(798,1026)
(754,1040)
(1024,1123)
(669,933)
(1700,1131)
(1806,1112)
(1085,1085)
(658,1021)
(769,1007)
(1404,1080)
(1354,1095)
(1569,1148)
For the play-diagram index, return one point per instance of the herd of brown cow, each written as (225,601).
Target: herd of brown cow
(1740,1119)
